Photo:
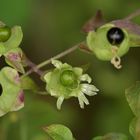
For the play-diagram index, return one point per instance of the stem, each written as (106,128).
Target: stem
(58,56)
(33,66)
(131,16)
(46,62)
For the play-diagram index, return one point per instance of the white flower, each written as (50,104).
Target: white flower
(66,81)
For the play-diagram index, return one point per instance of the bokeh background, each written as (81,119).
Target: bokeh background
(50,27)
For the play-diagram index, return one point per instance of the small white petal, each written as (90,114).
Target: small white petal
(59,102)
(82,99)
(58,64)
(86,77)
(89,87)
(85,100)
(90,93)
(81,103)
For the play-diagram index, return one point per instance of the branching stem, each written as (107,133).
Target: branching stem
(33,66)
(133,15)
(36,68)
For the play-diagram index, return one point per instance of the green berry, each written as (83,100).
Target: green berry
(5,33)
(68,78)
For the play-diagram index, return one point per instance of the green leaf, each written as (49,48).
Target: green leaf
(134,128)
(28,84)
(133,98)
(111,136)
(59,132)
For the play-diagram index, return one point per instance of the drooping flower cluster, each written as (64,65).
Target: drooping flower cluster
(11,94)
(10,39)
(66,81)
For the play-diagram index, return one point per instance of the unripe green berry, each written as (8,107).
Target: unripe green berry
(5,33)
(68,78)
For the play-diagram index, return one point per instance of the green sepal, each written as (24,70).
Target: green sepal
(58,132)
(13,42)
(11,89)
(15,58)
(28,84)
(101,47)
(15,39)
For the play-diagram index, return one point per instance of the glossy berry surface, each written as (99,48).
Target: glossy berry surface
(5,33)
(115,36)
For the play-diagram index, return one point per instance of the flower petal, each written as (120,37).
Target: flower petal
(88,90)
(78,71)
(47,77)
(82,99)
(89,87)
(85,100)
(59,102)
(58,64)
(81,103)
(86,77)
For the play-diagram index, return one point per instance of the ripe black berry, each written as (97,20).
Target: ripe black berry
(115,36)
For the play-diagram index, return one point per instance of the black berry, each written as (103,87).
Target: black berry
(115,36)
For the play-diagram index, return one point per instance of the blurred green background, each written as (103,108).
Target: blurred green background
(49,27)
